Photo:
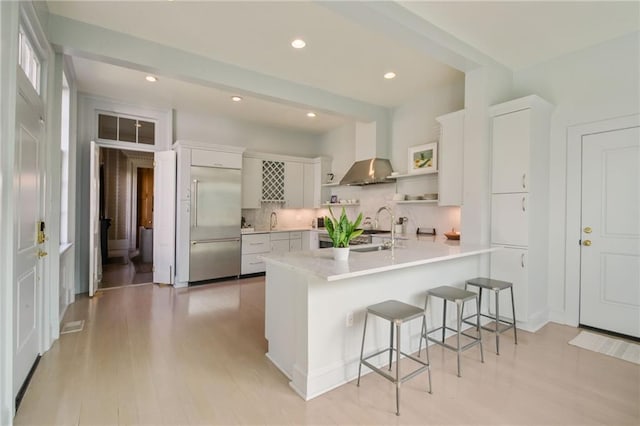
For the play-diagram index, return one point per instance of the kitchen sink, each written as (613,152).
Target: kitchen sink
(379,247)
(375,231)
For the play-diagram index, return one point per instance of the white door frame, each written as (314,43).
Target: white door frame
(11,15)
(9,12)
(574,206)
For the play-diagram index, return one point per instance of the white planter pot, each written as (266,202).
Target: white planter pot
(341,253)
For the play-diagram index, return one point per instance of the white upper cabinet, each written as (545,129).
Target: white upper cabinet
(450,152)
(310,184)
(290,182)
(208,158)
(251,183)
(293,185)
(511,141)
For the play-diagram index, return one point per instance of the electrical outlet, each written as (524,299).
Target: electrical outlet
(349,320)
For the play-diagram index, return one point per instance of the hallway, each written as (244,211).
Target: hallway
(122,271)
(153,354)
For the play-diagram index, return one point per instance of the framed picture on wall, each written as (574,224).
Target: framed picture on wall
(423,158)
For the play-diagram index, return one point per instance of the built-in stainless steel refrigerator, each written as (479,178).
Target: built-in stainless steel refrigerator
(215,223)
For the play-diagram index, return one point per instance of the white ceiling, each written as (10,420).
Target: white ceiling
(520,34)
(341,57)
(111,81)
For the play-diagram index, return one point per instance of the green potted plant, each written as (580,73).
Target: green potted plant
(341,231)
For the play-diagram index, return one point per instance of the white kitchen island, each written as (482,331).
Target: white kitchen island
(315,306)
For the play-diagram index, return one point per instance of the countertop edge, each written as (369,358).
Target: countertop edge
(386,268)
(375,270)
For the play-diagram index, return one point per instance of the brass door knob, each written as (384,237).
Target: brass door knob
(41,254)
(587,230)
(586,243)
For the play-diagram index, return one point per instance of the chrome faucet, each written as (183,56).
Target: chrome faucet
(273,221)
(393,233)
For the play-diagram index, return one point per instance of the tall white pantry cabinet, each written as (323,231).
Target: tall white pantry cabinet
(520,204)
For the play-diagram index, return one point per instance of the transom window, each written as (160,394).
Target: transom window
(126,129)
(28,59)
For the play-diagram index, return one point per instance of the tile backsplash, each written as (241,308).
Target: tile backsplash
(370,199)
(287,218)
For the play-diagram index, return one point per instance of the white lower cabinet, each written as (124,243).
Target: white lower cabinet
(252,264)
(510,264)
(310,240)
(279,242)
(295,241)
(253,246)
(256,245)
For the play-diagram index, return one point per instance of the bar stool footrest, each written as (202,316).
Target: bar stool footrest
(425,366)
(453,348)
(503,325)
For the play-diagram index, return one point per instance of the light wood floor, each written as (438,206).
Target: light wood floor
(125,271)
(156,355)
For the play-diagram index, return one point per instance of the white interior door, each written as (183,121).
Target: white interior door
(28,251)
(164,217)
(95,257)
(610,252)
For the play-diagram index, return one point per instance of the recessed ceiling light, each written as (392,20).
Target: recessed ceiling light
(298,43)
(151,78)
(389,75)
(236,98)
(311,114)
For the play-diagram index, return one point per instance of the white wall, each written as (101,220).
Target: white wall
(414,123)
(184,125)
(411,124)
(196,126)
(590,85)
(86,132)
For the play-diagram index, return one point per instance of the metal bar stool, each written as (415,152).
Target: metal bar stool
(459,297)
(396,313)
(501,324)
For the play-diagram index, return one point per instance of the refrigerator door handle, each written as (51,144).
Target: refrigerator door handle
(195,203)
(215,240)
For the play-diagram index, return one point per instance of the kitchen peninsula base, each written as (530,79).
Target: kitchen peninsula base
(314,320)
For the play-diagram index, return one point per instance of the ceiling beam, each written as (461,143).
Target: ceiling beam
(396,21)
(93,42)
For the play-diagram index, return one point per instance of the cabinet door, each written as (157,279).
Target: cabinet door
(184,173)
(256,243)
(295,244)
(309,188)
(251,183)
(510,264)
(509,219)
(252,264)
(293,185)
(207,158)
(310,240)
(510,152)
(280,246)
(450,153)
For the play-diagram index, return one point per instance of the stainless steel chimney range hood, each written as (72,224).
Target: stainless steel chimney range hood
(368,172)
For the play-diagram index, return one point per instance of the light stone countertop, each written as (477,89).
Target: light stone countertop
(245,231)
(407,253)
